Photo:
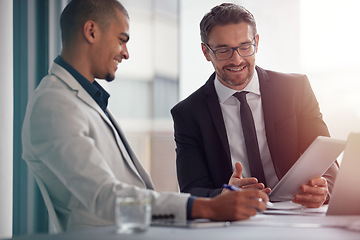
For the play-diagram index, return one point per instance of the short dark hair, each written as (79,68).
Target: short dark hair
(226,13)
(77,12)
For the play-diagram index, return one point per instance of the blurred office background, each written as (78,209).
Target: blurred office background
(318,38)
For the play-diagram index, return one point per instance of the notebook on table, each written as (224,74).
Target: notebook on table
(197,223)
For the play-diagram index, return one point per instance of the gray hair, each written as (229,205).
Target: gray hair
(226,13)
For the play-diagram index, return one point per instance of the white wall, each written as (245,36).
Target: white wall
(330,53)
(6,117)
(317,38)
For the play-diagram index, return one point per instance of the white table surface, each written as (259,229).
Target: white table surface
(275,225)
(232,232)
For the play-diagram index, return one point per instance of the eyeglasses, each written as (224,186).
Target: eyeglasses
(222,54)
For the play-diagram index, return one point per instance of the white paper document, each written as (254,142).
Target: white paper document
(286,205)
(290,208)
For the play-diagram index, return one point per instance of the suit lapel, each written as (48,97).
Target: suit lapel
(86,98)
(216,114)
(268,110)
(130,156)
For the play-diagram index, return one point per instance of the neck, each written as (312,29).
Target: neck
(79,61)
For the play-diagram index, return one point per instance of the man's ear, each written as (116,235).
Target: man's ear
(90,31)
(205,51)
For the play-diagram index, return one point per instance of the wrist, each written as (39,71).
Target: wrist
(202,208)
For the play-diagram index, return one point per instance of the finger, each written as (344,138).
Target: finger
(264,196)
(318,190)
(244,204)
(256,194)
(318,181)
(257,203)
(238,170)
(309,200)
(309,197)
(259,182)
(309,204)
(266,190)
(251,183)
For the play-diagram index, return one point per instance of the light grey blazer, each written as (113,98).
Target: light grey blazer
(76,151)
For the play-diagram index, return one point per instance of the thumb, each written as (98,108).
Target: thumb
(238,170)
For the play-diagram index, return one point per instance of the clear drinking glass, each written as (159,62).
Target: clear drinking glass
(132,210)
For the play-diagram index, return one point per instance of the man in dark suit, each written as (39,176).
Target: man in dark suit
(211,146)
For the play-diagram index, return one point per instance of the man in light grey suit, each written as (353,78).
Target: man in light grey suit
(74,145)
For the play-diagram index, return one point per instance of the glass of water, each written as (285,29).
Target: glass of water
(132,210)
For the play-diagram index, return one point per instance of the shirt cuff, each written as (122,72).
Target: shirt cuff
(189,207)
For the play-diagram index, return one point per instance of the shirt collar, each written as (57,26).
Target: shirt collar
(224,93)
(99,94)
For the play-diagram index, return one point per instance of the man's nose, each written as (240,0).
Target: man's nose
(124,52)
(236,57)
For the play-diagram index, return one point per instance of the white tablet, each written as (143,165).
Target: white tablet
(313,163)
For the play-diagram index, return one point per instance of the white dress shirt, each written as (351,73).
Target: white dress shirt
(230,107)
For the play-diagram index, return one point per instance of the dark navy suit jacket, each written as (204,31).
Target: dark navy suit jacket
(292,121)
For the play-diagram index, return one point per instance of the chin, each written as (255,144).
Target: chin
(109,77)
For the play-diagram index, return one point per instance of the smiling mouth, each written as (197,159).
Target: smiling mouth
(116,61)
(238,69)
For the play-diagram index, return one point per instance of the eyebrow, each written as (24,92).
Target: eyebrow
(226,46)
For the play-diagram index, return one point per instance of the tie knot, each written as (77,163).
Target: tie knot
(241,96)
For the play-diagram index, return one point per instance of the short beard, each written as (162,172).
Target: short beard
(109,78)
(240,84)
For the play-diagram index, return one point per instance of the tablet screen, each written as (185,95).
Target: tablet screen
(313,163)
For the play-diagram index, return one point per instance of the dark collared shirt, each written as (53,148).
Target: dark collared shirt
(99,94)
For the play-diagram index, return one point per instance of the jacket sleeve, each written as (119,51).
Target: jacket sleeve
(192,160)
(311,125)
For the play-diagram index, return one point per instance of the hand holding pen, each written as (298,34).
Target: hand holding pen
(236,188)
